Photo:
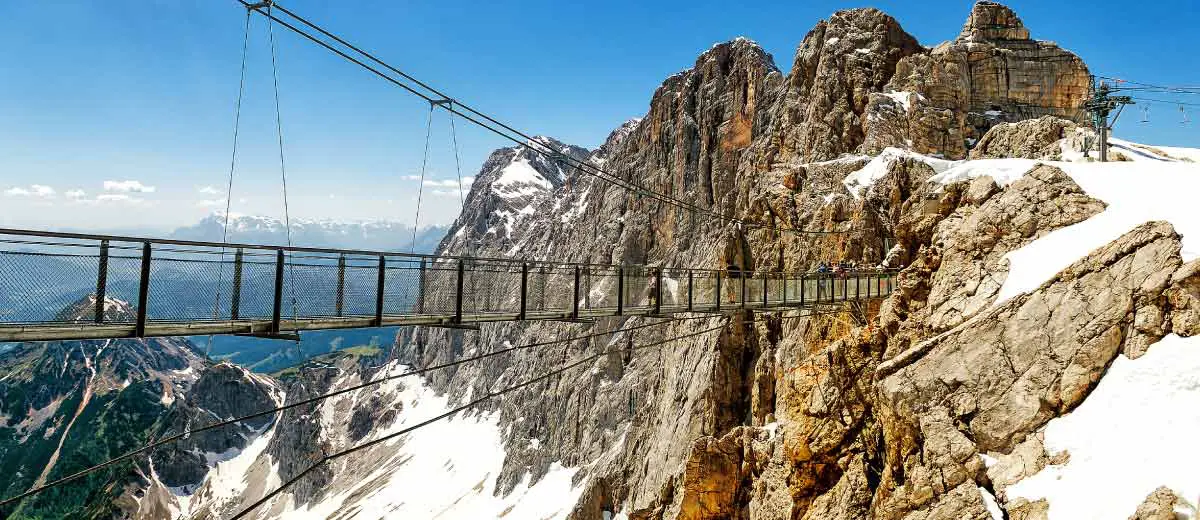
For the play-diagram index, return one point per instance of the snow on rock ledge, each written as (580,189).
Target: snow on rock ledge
(1134,433)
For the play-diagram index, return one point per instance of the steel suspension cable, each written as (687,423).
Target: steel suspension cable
(504,130)
(237,123)
(412,372)
(287,219)
(491,395)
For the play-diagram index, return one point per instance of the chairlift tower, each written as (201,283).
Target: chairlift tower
(1101,104)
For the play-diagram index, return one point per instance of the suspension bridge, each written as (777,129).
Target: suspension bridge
(62,286)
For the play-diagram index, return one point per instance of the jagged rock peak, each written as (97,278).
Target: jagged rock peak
(614,140)
(990,21)
(84,309)
(727,53)
(740,45)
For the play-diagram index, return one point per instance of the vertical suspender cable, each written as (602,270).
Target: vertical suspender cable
(417,219)
(421,187)
(237,123)
(462,201)
(287,222)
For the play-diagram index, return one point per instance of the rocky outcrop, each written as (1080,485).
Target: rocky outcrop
(1162,504)
(973,240)
(945,100)
(994,380)
(222,391)
(1032,139)
(838,65)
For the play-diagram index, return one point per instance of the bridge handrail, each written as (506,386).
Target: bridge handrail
(253,288)
(367,252)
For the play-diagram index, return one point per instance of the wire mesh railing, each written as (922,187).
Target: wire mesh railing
(61,278)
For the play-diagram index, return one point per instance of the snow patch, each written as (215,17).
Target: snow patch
(989,502)
(901,97)
(877,168)
(1151,399)
(519,179)
(1135,192)
(1003,171)
(445,470)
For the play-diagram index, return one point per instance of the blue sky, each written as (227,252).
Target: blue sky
(143,90)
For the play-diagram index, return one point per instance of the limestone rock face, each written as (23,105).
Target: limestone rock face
(989,383)
(974,240)
(992,21)
(992,73)
(839,63)
(1032,139)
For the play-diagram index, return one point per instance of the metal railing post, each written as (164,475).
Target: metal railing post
(718,292)
(690,281)
(277,305)
(143,292)
(524,289)
(620,290)
(340,296)
(458,299)
(575,302)
(235,297)
(658,290)
(101,281)
(742,277)
(421,288)
(382,278)
(845,287)
(766,277)
(857,286)
(802,284)
(784,277)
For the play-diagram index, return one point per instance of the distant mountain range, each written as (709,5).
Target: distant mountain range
(372,234)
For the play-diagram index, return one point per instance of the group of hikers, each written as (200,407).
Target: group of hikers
(843,267)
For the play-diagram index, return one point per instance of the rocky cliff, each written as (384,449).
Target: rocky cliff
(792,418)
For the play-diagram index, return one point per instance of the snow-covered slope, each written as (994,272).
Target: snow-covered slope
(1144,189)
(1147,187)
(445,470)
(1151,401)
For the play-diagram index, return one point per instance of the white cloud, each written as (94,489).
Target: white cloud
(34,190)
(449,183)
(127,187)
(114,197)
(411,177)
(75,194)
(444,193)
(209,190)
(211,203)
